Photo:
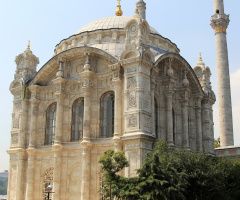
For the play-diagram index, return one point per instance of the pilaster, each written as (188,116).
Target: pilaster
(23,124)
(33,126)
(137,137)
(86,170)
(59,82)
(57,172)
(30,174)
(21,174)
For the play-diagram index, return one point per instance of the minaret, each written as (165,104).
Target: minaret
(219,22)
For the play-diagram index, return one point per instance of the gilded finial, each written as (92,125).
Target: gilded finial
(136,10)
(200,62)
(200,56)
(119,11)
(28,46)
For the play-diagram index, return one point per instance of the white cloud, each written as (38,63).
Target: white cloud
(235,88)
(235,91)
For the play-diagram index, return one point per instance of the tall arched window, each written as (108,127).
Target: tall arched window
(77,120)
(107,115)
(156,117)
(50,124)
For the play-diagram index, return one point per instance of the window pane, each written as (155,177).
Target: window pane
(77,120)
(50,124)
(107,115)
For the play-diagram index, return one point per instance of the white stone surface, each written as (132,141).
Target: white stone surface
(88,66)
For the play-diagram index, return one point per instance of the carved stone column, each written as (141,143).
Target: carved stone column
(33,126)
(21,175)
(153,110)
(59,118)
(30,174)
(57,172)
(185,123)
(87,87)
(87,116)
(117,82)
(59,82)
(86,170)
(169,120)
(198,112)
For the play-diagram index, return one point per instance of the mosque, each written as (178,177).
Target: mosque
(114,84)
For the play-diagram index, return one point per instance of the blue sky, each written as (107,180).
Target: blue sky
(46,23)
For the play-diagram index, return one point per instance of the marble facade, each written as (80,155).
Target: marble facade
(158,96)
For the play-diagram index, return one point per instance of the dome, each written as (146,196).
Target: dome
(114,22)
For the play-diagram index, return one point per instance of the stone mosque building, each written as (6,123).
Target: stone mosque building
(114,84)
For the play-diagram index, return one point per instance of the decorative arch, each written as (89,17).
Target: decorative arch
(191,73)
(107,115)
(52,65)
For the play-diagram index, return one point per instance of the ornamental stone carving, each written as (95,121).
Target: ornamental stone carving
(14,139)
(15,120)
(132,122)
(131,86)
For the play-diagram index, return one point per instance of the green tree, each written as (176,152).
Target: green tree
(112,163)
(174,174)
(3,185)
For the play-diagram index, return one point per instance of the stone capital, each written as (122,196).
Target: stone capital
(34,102)
(220,22)
(168,94)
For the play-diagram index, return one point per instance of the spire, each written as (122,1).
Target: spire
(28,46)
(142,8)
(136,14)
(119,11)
(200,62)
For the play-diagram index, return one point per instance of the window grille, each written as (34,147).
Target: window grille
(77,120)
(50,124)
(107,115)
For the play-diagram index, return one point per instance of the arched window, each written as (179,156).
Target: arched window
(50,124)
(77,120)
(107,115)
(156,117)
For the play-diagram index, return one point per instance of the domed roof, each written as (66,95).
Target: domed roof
(114,22)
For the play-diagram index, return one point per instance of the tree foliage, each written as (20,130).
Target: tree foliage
(3,185)
(173,174)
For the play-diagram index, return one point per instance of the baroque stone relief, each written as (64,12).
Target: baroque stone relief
(132,122)
(14,139)
(15,120)
(131,86)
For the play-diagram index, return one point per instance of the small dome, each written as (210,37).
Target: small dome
(114,22)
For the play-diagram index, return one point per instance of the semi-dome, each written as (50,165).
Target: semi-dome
(114,22)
